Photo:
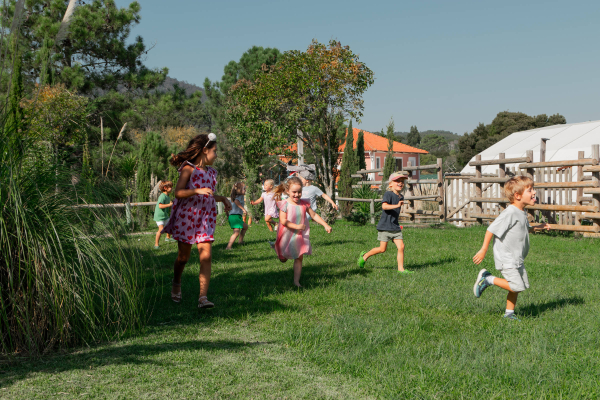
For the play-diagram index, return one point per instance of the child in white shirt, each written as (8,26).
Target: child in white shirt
(510,231)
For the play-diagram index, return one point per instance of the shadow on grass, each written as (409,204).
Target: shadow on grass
(134,354)
(424,265)
(535,310)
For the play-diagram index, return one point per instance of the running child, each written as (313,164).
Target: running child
(236,221)
(293,235)
(270,205)
(162,210)
(194,212)
(388,227)
(311,192)
(510,231)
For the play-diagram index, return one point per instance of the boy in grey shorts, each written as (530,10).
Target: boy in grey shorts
(510,231)
(388,227)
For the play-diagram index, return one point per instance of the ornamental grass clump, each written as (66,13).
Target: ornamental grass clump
(60,285)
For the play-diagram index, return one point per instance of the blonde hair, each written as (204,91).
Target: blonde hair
(285,186)
(164,184)
(269,182)
(236,190)
(517,184)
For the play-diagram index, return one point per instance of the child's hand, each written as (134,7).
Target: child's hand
(301,227)
(327,228)
(227,205)
(203,191)
(478,258)
(546,226)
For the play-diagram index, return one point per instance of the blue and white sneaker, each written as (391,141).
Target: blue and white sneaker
(481,283)
(512,317)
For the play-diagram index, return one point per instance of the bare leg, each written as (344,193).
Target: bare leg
(241,241)
(297,271)
(400,245)
(236,233)
(205,253)
(511,297)
(269,222)
(377,250)
(160,228)
(183,256)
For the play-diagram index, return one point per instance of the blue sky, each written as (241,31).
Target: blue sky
(438,64)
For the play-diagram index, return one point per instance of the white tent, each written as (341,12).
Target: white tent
(565,141)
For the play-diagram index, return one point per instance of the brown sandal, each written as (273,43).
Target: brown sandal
(176,297)
(204,303)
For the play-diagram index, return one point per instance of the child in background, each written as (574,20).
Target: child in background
(510,231)
(310,192)
(247,216)
(236,221)
(162,210)
(388,227)
(194,213)
(293,235)
(270,205)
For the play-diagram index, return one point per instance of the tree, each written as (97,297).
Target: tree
(92,53)
(413,138)
(505,123)
(349,166)
(390,162)
(313,91)
(152,156)
(360,151)
(248,67)
(15,112)
(435,144)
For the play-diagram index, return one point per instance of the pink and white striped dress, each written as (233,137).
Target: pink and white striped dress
(193,219)
(292,243)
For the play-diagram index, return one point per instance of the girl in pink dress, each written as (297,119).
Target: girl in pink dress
(194,212)
(270,205)
(293,239)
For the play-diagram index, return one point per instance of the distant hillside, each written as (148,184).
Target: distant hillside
(169,83)
(449,136)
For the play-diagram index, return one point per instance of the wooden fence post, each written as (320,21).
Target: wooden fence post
(580,155)
(478,192)
(372,209)
(530,173)
(596,178)
(411,192)
(440,177)
(501,174)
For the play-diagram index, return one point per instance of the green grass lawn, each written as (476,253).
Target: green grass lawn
(350,333)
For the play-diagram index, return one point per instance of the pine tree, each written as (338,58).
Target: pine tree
(46,71)
(15,112)
(360,151)
(413,138)
(152,158)
(390,161)
(349,166)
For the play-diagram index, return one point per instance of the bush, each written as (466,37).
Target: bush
(361,212)
(60,285)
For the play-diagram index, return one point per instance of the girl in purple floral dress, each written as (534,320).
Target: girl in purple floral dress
(194,213)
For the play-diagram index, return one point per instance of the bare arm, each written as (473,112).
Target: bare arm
(181,192)
(290,225)
(478,258)
(165,205)
(317,218)
(329,200)
(237,203)
(225,201)
(540,227)
(388,206)
(255,202)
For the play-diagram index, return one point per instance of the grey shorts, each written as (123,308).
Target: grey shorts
(386,236)
(516,278)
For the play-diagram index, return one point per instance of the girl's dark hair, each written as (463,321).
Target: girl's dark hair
(194,147)
(285,185)
(236,190)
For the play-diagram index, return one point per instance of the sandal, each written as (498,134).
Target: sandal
(176,297)
(204,303)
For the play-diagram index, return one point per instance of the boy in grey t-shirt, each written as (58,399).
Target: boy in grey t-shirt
(310,192)
(510,231)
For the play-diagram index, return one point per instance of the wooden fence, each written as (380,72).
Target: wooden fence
(419,193)
(568,191)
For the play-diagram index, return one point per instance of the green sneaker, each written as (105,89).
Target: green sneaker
(156,247)
(406,272)
(170,240)
(361,261)
(512,317)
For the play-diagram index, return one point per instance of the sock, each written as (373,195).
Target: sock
(490,279)
(509,312)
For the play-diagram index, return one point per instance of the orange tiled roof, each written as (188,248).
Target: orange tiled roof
(378,143)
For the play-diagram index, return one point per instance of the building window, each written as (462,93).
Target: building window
(399,164)
(413,161)
(377,162)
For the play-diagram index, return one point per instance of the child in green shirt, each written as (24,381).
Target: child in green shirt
(162,210)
